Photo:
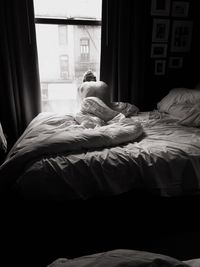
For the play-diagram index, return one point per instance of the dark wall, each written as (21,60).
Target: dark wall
(157,86)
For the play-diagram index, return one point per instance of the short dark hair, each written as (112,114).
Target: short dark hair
(89,76)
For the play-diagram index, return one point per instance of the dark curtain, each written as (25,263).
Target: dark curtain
(19,76)
(123,49)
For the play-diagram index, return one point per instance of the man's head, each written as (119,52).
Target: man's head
(89,76)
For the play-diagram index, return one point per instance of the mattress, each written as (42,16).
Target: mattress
(57,158)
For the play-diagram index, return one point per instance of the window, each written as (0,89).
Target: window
(44,91)
(62,34)
(64,67)
(68,34)
(84,49)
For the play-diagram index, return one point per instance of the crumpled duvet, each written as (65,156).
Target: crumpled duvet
(96,107)
(47,136)
(94,112)
(58,158)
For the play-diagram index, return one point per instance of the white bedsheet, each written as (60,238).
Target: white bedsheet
(165,161)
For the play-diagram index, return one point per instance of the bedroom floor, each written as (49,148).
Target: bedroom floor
(36,236)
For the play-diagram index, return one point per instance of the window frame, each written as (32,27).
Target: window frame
(91,22)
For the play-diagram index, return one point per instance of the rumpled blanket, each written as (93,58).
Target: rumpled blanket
(96,107)
(125,108)
(94,112)
(72,135)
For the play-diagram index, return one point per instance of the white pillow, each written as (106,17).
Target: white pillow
(178,96)
(187,114)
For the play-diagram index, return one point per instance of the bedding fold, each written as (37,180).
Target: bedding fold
(58,158)
(46,141)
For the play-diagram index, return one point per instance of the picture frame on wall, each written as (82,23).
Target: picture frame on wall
(160,7)
(180,9)
(158,50)
(175,62)
(160,66)
(181,36)
(160,30)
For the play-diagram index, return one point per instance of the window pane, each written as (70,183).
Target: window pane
(68,8)
(63,64)
(62,34)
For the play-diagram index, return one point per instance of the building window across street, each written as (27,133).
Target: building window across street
(62,34)
(64,67)
(84,49)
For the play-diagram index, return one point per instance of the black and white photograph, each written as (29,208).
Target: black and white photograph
(160,7)
(158,50)
(160,30)
(160,67)
(180,9)
(181,36)
(99,133)
(175,62)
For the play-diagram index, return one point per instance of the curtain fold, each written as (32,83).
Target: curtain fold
(19,75)
(123,48)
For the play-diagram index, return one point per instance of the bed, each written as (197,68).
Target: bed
(51,161)
(104,177)
(102,152)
